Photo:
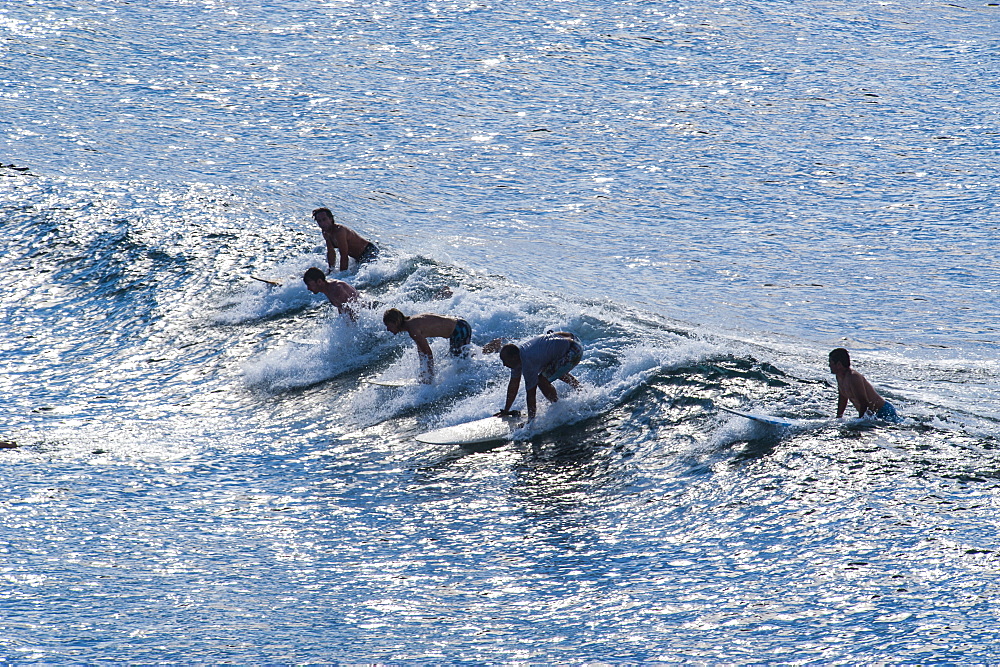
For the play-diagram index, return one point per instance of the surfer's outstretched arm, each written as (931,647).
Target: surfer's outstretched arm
(426,358)
(512,386)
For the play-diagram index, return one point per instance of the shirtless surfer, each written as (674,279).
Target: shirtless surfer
(852,386)
(428,325)
(540,360)
(345,239)
(340,294)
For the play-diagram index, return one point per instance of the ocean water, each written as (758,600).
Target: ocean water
(712,195)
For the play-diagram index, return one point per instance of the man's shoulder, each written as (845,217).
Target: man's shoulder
(529,342)
(539,346)
(858,380)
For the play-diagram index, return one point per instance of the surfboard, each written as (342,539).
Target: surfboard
(474,432)
(305,341)
(272,283)
(762,418)
(408,382)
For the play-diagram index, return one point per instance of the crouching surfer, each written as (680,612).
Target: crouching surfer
(540,361)
(852,386)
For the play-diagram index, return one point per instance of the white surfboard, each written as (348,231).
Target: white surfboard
(407,382)
(474,432)
(305,341)
(762,418)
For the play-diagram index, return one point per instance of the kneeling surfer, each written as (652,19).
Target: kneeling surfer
(339,293)
(429,325)
(852,386)
(540,360)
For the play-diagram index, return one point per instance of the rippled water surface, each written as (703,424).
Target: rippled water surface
(711,195)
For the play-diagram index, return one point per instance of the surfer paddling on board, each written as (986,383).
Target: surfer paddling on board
(428,325)
(345,239)
(852,386)
(540,360)
(340,294)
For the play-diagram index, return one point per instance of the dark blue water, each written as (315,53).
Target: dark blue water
(711,195)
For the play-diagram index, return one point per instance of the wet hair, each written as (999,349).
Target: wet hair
(394,317)
(313,275)
(323,210)
(510,353)
(840,356)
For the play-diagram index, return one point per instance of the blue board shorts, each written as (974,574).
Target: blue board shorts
(460,338)
(564,364)
(887,413)
(369,254)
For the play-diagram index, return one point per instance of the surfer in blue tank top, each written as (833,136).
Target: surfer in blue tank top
(540,361)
